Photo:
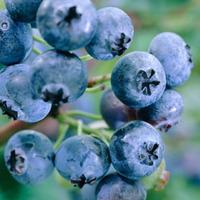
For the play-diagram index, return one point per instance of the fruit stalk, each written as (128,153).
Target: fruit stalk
(98,80)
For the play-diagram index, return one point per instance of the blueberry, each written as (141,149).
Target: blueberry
(175,56)
(15,40)
(113,36)
(136,150)
(17,98)
(58,77)
(82,159)
(114,112)
(116,187)
(138,79)
(67,24)
(166,112)
(88,192)
(29,157)
(23,10)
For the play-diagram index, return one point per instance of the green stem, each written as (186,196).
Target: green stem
(62,131)
(98,80)
(98,88)
(86,58)
(79,129)
(82,114)
(74,123)
(40,40)
(36,51)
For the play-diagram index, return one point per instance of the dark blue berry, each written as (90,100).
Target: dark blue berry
(23,10)
(82,159)
(113,36)
(116,187)
(15,40)
(136,150)
(165,113)
(67,24)
(29,157)
(138,79)
(175,56)
(59,77)
(114,112)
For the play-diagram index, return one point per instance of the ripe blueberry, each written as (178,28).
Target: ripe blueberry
(58,77)
(136,150)
(67,24)
(113,36)
(29,157)
(15,40)
(175,56)
(23,10)
(138,79)
(82,159)
(17,98)
(116,187)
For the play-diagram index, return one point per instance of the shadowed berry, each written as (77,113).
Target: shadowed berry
(164,113)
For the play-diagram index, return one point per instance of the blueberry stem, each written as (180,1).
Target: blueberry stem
(86,58)
(40,40)
(83,114)
(79,128)
(12,127)
(36,51)
(86,129)
(98,88)
(96,80)
(61,134)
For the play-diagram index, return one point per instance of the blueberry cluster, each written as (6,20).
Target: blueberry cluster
(143,84)
(56,76)
(142,97)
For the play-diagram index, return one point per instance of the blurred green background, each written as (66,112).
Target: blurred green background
(182,142)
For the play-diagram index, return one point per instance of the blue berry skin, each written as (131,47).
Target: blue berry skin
(113,36)
(29,157)
(82,159)
(58,77)
(17,98)
(136,150)
(67,24)
(175,56)
(15,40)
(23,10)
(116,187)
(138,79)
(114,112)
(166,112)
